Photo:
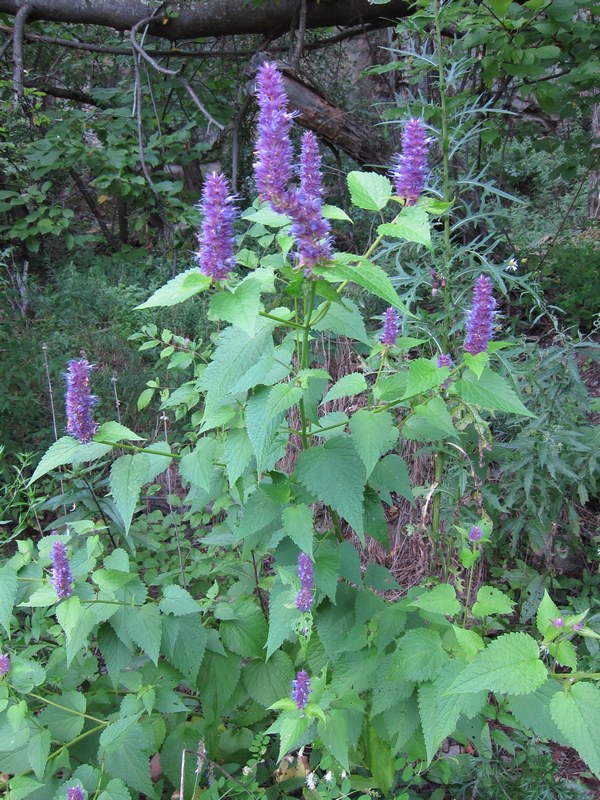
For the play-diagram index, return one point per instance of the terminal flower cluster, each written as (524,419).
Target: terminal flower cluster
(305,597)
(215,240)
(79,402)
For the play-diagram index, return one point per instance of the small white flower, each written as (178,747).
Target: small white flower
(328,777)
(512,265)
(311,781)
(344,774)
(247,770)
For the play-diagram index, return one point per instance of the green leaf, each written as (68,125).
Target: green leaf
(126,747)
(115,789)
(439,600)
(240,306)
(298,525)
(217,681)
(490,391)
(327,569)
(144,399)
(564,653)
(430,422)
(333,212)
(379,757)
(8,592)
(491,601)
(419,656)
(156,464)
(547,612)
(61,452)
(116,655)
(412,225)
(143,624)
(114,432)
(424,375)
(509,664)
(178,289)
(245,636)
(373,435)
(533,711)
(77,623)
(348,386)
(391,475)
(345,320)
(369,190)
(334,735)
(238,454)
(281,398)
(335,474)
(283,616)
(38,750)
(127,476)
(576,715)
(197,467)
(183,644)
(66,722)
(177,601)
(267,445)
(370,277)
(266,216)
(22,786)
(269,681)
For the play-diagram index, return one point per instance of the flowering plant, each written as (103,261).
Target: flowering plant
(270,621)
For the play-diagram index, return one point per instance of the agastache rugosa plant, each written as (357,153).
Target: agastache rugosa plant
(410,173)
(79,401)
(62,577)
(215,241)
(269,474)
(4,664)
(480,319)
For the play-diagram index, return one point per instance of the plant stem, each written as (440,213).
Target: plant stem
(138,449)
(305,354)
(74,711)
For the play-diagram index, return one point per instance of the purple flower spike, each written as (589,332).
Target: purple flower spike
(475,533)
(310,230)
(445,360)
(75,793)
(215,241)
(301,689)
(411,168)
(273,165)
(4,664)
(79,401)
(578,626)
(558,622)
(310,166)
(391,323)
(480,319)
(62,577)
(304,599)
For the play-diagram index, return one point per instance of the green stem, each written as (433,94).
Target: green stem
(79,738)
(281,321)
(576,676)
(309,301)
(66,708)
(469,587)
(137,449)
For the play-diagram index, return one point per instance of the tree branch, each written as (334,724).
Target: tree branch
(21,18)
(217,18)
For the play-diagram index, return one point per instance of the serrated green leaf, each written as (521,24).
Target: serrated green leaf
(430,422)
(327,569)
(283,616)
(491,601)
(510,664)
(490,391)
(143,624)
(333,212)
(8,592)
(262,432)
(77,623)
(240,306)
(114,432)
(439,600)
(373,435)
(564,653)
(371,277)
(245,636)
(38,750)
(127,476)
(22,786)
(576,715)
(125,748)
(419,656)
(266,216)
(533,711)
(298,525)
(369,190)
(348,386)
(65,722)
(178,601)
(145,399)
(546,614)
(335,474)
(115,653)
(217,681)
(345,320)
(282,397)
(59,453)
(424,375)
(412,225)
(238,454)
(197,467)
(269,681)
(178,289)
(115,789)
(184,643)
(391,475)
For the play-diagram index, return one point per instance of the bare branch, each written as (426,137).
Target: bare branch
(91,201)
(21,18)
